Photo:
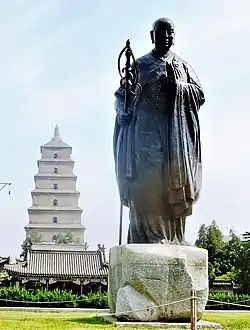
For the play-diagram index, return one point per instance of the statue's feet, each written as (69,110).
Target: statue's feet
(186,243)
(175,241)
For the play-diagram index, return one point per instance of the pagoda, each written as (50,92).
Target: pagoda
(54,251)
(55,212)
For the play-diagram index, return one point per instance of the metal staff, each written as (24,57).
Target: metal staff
(129,82)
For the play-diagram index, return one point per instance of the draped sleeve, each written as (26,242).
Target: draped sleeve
(184,146)
(195,90)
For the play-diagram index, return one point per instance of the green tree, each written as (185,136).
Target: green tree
(211,273)
(211,238)
(202,236)
(243,264)
(233,252)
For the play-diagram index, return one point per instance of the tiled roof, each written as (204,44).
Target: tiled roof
(4,260)
(63,264)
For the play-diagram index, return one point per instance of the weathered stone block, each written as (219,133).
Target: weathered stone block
(146,279)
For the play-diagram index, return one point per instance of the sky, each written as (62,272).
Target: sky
(58,65)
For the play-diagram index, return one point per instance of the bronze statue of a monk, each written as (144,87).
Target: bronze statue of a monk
(159,176)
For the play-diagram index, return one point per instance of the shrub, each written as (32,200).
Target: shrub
(240,299)
(21,297)
(43,298)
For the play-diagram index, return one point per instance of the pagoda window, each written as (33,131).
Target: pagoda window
(55,186)
(55,202)
(55,219)
(55,170)
(55,156)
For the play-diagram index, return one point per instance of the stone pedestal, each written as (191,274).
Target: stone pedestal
(144,276)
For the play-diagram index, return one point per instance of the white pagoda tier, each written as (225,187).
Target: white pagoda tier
(55,209)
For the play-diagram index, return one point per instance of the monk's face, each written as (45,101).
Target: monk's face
(163,36)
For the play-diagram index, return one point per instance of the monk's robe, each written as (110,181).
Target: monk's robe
(158,154)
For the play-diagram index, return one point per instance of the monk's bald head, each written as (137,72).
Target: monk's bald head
(162,35)
(163,23)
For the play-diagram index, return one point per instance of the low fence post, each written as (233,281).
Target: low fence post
(193,303)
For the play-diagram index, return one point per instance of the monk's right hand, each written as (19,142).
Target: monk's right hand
(124,118)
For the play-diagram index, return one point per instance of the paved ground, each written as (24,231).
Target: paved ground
(200,324)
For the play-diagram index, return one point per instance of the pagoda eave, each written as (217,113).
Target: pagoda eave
(37,192)
(34,209)
(55,147)
(33,226)
(48,176)
(55,161)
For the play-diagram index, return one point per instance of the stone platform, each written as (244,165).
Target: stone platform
(153,282)
(164,325)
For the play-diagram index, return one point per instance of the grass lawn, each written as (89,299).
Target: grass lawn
(230,321)
(80,321)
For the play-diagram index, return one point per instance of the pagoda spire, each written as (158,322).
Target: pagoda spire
(56,141)
(56,136)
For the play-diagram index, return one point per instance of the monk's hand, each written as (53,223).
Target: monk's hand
(163,79)
(124,118)
(170,74)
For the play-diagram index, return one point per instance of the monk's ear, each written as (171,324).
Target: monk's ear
(152,35)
